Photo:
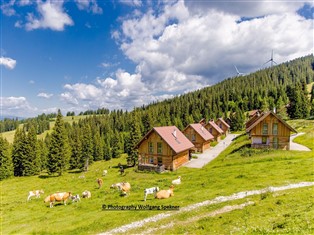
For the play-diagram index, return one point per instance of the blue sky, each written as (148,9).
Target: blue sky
(79,55)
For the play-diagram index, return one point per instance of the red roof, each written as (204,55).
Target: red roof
(214,125)
(174,138)
(201,131)
(264,115)
(223,121)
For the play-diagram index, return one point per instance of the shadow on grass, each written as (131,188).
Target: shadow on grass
(242,147)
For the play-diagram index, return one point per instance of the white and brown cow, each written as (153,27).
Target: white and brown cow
(58,197)
(35,193)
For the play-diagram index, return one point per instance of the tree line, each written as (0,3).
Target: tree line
(107,134)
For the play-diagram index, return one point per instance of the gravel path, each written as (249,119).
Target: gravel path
(210,154)
(220,199)
(295,146)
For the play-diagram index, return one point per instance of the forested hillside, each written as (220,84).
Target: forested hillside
(107,134)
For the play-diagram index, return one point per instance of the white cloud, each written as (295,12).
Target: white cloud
(135,3)
(89,5)
(7,8)
(176,50)
(8,62)
(16,106)
(252,8)
(52,16)
(45,95)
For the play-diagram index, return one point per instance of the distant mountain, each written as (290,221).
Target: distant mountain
(10,117)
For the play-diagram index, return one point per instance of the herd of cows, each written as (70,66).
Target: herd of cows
(123,187)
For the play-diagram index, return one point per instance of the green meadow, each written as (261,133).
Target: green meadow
(237,169)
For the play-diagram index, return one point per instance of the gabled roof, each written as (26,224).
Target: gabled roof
(201,131)
(172,136)
(263,116)
(217,128)
(223,121)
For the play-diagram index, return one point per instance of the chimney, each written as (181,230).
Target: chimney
(174,133)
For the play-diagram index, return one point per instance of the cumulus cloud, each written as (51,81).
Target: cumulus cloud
(124,91)
(252,8)
(51,16)
(16,106)
(7,62)
(89,5)
(45,95)
(177,50)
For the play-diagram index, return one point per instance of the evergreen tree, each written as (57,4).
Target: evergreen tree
(18,153)
(59,149)
(87,148)
(6,164)
(76,147)
(237,120)
(135,136)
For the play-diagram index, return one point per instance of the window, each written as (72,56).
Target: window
(159,161)
(275,129)
(275,144)
(193,138)
(265,129)
(150,148)
(211,130)
(264,140)
(159,148)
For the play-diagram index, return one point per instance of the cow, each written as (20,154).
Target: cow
(104,173)
(99,182)
(76,198)
(86,194)
(165,193)
(152,190)
(124,187)
(58,197)
(177,181)
(35,193)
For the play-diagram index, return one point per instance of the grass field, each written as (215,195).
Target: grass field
(237,169)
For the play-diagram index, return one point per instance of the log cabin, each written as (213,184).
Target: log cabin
(269,131)
(215,130)
(199,136)
(223,126)
(163,148)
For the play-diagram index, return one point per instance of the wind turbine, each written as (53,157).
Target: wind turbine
(238,73)
(271,59)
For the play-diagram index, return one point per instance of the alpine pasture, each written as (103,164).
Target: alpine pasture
(237,169)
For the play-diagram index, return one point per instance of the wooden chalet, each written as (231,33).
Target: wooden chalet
(268,130)
(223,126)
(199,136)
(215,130)
(163,148)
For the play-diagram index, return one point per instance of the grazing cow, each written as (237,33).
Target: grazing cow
(81,177)
(58,197)
(104,173)
(76,198)
(86,194)
(35,193)
(177,181)
(124,187)
(99,182)
(147,191)
(165,193)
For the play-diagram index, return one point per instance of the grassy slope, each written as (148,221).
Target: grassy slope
(233,171)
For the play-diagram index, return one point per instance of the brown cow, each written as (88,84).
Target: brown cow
(99,182)
(58,197)
(165,193)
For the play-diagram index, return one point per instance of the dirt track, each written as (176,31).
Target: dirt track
(240,195)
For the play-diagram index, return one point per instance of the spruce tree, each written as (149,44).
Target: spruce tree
(6,164)
(59,149)
(19,153)
(87,148)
